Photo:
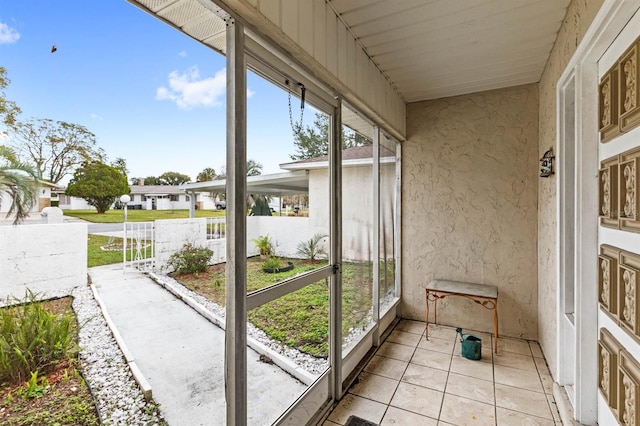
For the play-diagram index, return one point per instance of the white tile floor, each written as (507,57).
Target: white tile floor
(415,381)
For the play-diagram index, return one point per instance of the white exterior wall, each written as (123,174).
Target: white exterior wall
(357,208)
(312,33)
(47,259)
(44,193)
(286,233)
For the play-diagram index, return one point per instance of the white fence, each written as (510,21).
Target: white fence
(46,259)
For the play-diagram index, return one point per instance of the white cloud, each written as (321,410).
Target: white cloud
(95,116)
(189,90)
(183,54)
(4,137)
(8,35)
(250,93)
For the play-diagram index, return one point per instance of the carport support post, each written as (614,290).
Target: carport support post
(192,204)
(236,319)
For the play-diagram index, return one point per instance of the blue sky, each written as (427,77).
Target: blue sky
(149,93)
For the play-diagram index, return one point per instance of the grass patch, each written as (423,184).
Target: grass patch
(96,256)
(299,319)
(117,216)
(56,393)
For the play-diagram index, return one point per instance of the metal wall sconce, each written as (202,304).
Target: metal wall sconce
(546,163)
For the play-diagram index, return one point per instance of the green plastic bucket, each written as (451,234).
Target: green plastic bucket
(471,345)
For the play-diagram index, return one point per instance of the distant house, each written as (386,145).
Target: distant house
(46,190)
(146,197)
(166,197)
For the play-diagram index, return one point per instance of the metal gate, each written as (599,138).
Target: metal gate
(138,245)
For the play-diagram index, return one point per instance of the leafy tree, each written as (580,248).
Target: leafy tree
(253,168)
(206,175)
(149,180)
(20,182)
(8,109)
(55,148)
(98,183)
(172,178)
(312,142)
(120,164)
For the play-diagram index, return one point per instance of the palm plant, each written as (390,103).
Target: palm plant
(20,182)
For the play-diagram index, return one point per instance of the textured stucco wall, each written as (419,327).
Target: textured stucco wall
(580,14)
(46,259)
(469,186)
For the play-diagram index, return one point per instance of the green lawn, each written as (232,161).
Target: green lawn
(97,256)
(117,216)
(299,319)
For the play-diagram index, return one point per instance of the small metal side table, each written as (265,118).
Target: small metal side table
(482,294)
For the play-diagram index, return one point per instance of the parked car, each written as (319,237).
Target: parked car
(221,205)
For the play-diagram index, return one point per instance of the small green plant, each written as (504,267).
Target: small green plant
(32,339)
(272,263)
(190,259)
(313,249)
(33,389)
(264,245)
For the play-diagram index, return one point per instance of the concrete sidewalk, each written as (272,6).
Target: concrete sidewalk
(181,354)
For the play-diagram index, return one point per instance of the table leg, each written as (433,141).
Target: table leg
(427,318)
(495,324)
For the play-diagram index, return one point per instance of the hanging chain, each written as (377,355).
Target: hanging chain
(296,127)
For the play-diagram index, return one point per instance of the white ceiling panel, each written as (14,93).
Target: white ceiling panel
(427,49)
(436,48)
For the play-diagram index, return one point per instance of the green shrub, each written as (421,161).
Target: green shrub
(313,249)
(190,259)
(32,339)
(272,263)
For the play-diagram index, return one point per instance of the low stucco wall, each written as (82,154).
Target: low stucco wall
(171,235)
(285,234)
(469,193)
(46,259)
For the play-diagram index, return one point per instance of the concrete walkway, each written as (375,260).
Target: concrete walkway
(181,354)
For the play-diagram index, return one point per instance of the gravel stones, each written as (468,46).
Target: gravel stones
(118,398)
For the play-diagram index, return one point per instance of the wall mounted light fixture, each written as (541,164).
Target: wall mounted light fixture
(546,163)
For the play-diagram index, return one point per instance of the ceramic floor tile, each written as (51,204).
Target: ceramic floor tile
(426,376)
(396,351)
(329,423)
(442,332)
(535,349)
(352,405)
(547,383)
(435,344)
(431,359)
(387,367)
(417,399)
(397,417)
(477,369)
(517,346)
(463,411)
(416,327)
(374,387)
(513,360)
(517,378)
(404,338)
(514,418)
(524,401)
(541,365)
(470,387)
